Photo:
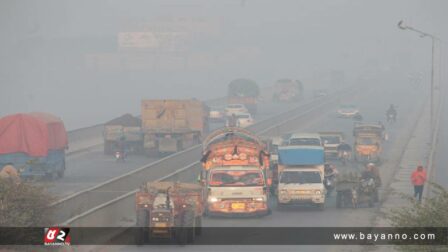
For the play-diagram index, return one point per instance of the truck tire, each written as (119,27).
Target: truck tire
(189,225)
(321,206)
(142,236)
(61,171)
(338,199)
(198,225)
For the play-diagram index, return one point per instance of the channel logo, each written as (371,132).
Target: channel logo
(55,236)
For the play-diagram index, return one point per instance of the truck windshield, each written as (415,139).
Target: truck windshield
(305,141)
(300,177)
(236,178)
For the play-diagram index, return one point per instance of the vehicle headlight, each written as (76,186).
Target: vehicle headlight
(155,219)
(213,199)
(318,192)
(259,199)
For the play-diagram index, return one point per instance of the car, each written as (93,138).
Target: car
(305,139)
(320,93)
(216,114)
(243,120)
(348,111)
(235,109)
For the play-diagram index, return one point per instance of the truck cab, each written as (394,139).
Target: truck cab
(236,190)
(300,176)
(331,142)
(301,185)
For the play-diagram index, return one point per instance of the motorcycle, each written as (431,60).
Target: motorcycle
(119,156)
(391,117)
(329,183)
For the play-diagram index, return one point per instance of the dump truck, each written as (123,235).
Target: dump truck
(33,144)
(331,141)
(168,210)
(368,141)
(244,91)
(126,129)
(235,174)
(172,125)
(300,176)
(287,90)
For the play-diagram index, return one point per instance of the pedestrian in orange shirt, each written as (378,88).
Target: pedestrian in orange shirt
(418,179)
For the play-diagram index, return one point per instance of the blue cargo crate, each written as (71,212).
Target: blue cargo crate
(28,166)
(301,155)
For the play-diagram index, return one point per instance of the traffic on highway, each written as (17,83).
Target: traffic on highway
(197,125)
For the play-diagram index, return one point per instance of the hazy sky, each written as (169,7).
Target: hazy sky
(65,57)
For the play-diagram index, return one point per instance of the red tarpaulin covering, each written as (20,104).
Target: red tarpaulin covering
(33,134)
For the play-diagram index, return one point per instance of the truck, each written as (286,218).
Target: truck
(33,144)
(169,126)
(126,128)
(168,210)
(235,174)
(300,176)
(244,91)
(368,141)
(287,90)
(331,141)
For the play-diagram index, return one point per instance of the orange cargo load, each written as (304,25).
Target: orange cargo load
(234,147)
(33,134)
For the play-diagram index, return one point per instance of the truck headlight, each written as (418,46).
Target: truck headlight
(259,199)
(213,199)
(318,192)
(155,219)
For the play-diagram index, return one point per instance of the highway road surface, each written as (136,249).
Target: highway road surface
(373,105)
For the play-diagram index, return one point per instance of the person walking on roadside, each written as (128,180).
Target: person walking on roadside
(418,179)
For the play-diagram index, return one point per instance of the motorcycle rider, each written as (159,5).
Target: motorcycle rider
(121,146)
(372,172)
(344,147)
(330,173)
(391,111)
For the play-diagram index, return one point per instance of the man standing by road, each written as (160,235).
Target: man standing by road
(418,179)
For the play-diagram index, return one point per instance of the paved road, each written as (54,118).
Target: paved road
(373,105)
(92,167)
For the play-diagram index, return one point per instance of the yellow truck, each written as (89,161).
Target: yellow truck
(172,125)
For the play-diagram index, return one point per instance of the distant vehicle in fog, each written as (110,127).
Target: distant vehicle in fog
(287,90)
(235,109)
(320,93)
(216,114)
(244,120)
(244,91)
(305,139)
(348,111)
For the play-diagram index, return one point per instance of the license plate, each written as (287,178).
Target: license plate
(160,224)
(238,206)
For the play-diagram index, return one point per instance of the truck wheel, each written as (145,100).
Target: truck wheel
(338,199)
(189,225)
(198,225)
(371,202)
(321,206)
(376,197)
(61,172)
(143,225)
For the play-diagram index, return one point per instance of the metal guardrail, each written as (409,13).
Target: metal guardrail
(87,202)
